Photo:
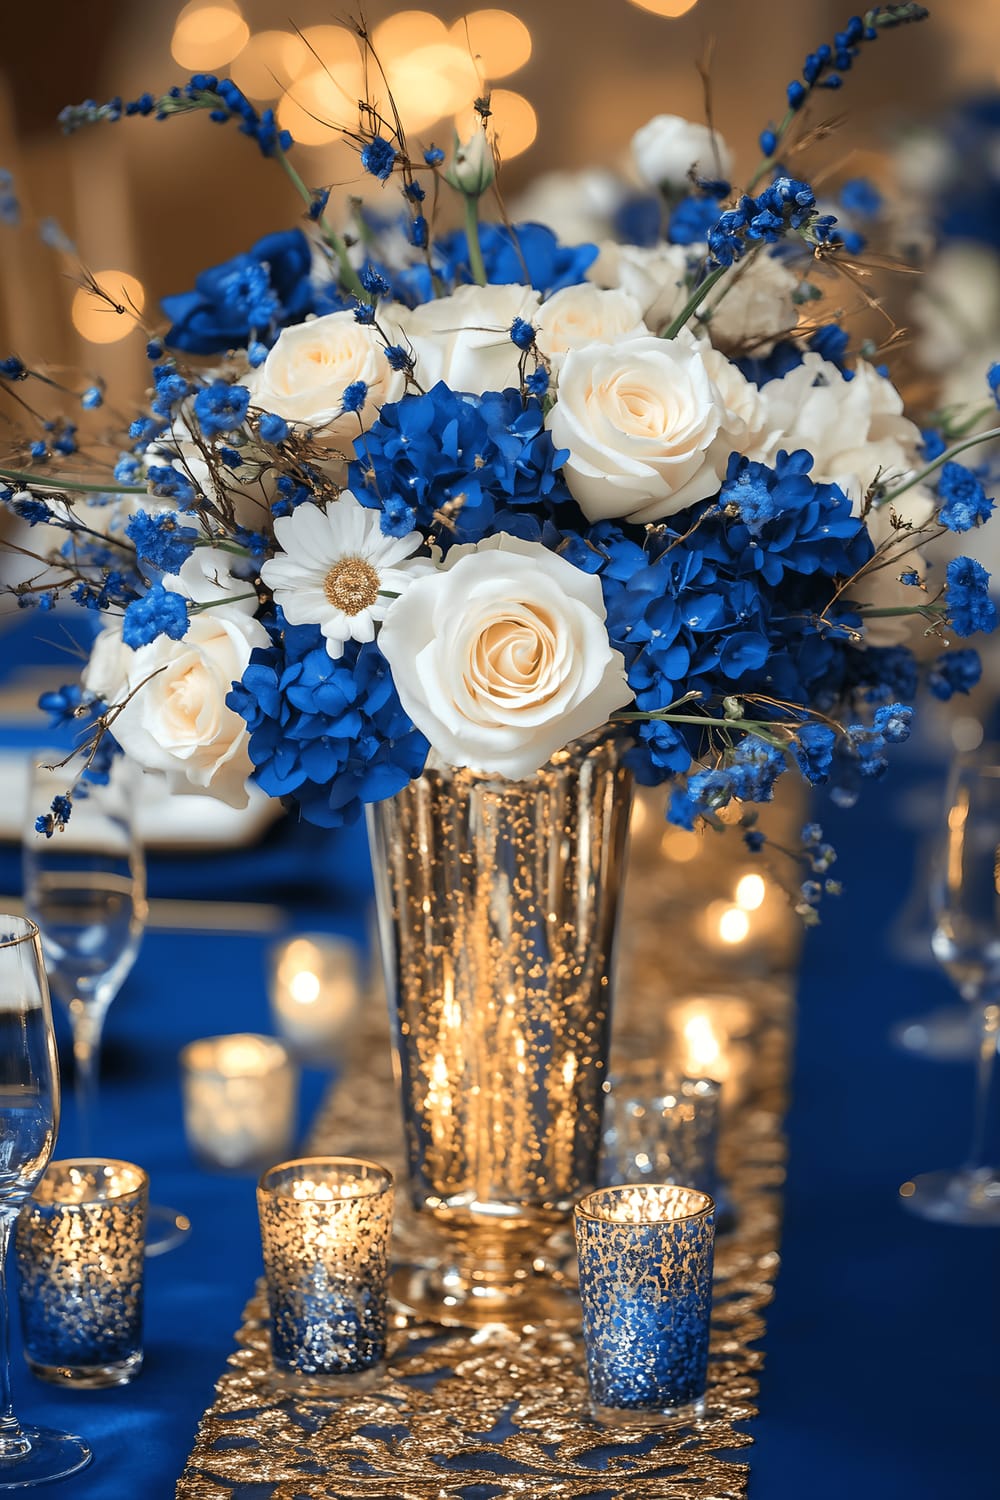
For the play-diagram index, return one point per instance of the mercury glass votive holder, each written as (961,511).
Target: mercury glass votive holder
(645,1259)
(325,1224)
(660,1127)
(81,1242)
(240,1100)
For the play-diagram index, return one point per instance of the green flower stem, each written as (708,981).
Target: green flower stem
(695,300)
(476,263)
(901,609)
(40,482)
(942,458)
(761,728)
(348,275)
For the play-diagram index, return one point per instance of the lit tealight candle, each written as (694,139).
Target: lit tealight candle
(239,1099)
(315,991)
(712,1040)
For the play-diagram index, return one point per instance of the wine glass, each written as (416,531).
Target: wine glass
(29,1122)
(85,887)
(965,904)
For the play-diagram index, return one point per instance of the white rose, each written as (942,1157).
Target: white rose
(465,340)
(644,425)
(579,207)
(586,314)
(668,148)
(502,657)
(752,306)
(854,429)
(176,720)
(746,418)
(957,308)
(304,377)
(655,276)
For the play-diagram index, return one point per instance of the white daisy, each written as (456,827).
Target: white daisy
(337,570)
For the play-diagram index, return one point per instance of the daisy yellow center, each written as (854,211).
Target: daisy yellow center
(351,585)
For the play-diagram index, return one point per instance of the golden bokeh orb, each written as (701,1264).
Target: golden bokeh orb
(96,320)
(209,35)
(513,123)
(499,42)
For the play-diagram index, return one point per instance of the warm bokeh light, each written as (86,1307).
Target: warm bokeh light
(269,62)
(704,1051)
(338,50)
(671,8)
(513,123)
(499,42)
(405,32)
(734,924)
(315,109)
(209,35)
(431,82)
(750,892)
(680,844)
(98,322)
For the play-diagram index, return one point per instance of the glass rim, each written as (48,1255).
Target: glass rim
(11,921)
(707,1203)
(93,1163)
(376,1188)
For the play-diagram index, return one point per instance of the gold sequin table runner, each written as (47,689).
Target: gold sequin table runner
(482,1413)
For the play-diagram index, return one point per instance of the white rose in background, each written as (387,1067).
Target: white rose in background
(585,314)
(502,657)
(655,276)
(641,421)
(752,306)
(304,377)
(956,310)
(176,720)
(465,340)
(854,429)
(668,148)
(579,207)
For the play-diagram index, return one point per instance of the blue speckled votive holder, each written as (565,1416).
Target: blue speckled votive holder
(81,1244)
(325,1224)
(645,1257)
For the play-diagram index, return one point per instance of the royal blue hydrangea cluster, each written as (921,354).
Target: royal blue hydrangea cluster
(253,296)
(787,204)
(488,464)
(161,541)
(331,734)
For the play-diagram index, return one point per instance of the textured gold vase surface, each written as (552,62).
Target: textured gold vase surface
(498,903)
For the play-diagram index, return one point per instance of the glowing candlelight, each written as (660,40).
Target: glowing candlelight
(315,989)
(239,1099)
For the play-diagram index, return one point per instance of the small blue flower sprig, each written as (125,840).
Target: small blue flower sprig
(824,69)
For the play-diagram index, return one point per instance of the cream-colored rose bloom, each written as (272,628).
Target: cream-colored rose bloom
(644,425)
(956,310)
(502,657)
(668,148)
(751,307)
(465,339)
(176,720)
(304,377)
(655,276)
(745,414)
(586,314)
(855,429)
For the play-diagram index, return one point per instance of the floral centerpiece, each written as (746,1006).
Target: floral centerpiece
(409,499)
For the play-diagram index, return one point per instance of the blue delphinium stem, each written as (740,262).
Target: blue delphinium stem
(348,275)
(42,482)
(940,461)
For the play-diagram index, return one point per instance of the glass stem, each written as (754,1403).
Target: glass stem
(87,1021)
(13,1443)
(989,1026)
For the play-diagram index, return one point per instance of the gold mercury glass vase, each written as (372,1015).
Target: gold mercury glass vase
(498,905)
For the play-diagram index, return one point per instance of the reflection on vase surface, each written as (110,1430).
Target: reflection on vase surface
(498,903)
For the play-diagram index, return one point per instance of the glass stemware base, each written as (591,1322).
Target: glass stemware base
(970,1196)
(165,1229)
(50,1455)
